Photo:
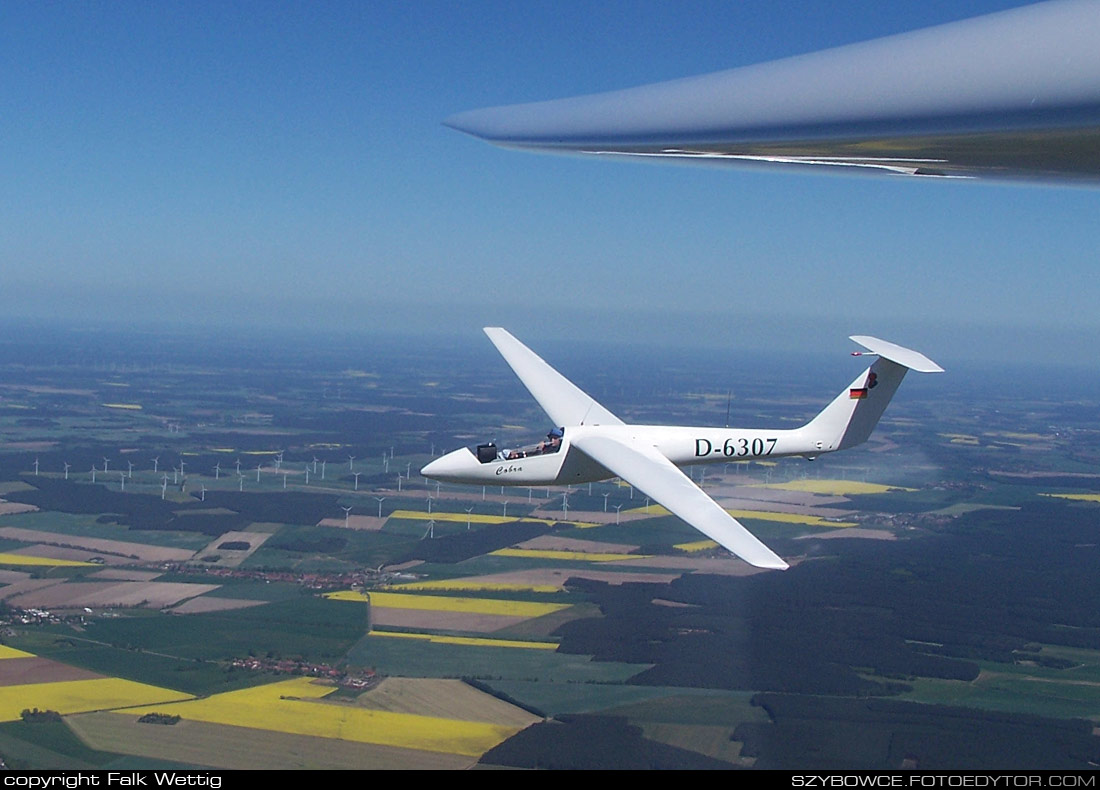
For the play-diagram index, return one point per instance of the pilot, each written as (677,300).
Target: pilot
(553,441)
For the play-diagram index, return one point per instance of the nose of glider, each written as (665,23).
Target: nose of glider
(449,466)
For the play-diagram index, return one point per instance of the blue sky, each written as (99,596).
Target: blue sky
(282,164)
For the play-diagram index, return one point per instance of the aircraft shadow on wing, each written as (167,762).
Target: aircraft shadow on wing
(592,444)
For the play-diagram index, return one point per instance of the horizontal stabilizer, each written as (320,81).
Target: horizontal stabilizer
(650,472)
(906,357)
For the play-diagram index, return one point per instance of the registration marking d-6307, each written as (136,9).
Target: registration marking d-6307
(735,447)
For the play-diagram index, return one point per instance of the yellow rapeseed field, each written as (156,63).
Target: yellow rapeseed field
(471,641)
(579,556)
(699,545)
(78,696)
(447,603)
(1076,497)
(128,406)
(26,559)
(294,706)
(834,487)
(11,652)
(768,515)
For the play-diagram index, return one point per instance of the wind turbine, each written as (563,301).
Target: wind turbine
(357,480)
(93,473)
(155,462)
(351,463)
(122,479)
(130,469)
(202,496)
(217,470)
(66,470)
(347,515)
(36,467)
(380,499)
(104,463)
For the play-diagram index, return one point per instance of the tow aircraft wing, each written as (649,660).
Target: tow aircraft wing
(1012,95)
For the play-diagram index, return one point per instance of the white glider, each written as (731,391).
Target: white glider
(591,444)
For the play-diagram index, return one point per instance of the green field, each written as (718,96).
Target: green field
(418,658)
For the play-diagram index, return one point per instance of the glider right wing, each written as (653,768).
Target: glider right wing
(647,470)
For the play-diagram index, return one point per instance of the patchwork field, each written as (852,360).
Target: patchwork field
(203,743)
(79,696)
(137,551)
(835,487)
(468,641)
(299,707)
(450,613)
(108,593)
(39,556)
(543,580)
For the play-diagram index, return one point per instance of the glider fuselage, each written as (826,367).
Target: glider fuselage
(683,446)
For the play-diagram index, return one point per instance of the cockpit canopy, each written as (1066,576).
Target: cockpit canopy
(489,452)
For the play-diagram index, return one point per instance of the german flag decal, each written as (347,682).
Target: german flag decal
(857,393)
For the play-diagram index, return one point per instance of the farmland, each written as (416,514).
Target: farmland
(267,563)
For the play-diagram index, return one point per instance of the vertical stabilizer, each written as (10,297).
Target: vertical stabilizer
(854,413)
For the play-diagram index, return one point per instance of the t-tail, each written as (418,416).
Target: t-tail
(855,412)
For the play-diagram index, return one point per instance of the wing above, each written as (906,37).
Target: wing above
(1011,95)
(647,470)
(561,399)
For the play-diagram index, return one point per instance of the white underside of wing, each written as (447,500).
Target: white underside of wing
(646,469)
(564,402)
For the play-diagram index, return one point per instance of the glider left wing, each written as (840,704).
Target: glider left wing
(647,470)
(564,402)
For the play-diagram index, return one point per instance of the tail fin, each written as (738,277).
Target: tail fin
(855,412)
